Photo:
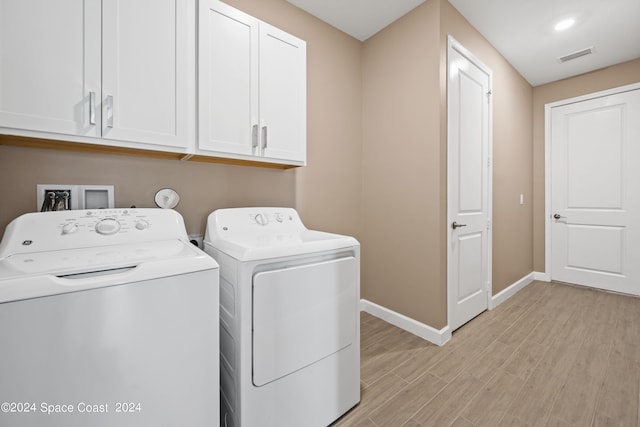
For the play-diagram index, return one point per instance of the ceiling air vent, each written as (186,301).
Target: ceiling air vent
(578,54)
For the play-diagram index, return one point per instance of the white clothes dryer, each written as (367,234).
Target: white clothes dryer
(107,317)
(289,319)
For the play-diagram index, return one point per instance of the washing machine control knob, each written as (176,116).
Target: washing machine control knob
(108,226)
(261,219)
(142,224)
(69,228)
(279,217)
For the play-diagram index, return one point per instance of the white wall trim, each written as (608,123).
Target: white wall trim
(438,337)
(547,162)
(542,277)
(442,336)
(511,290)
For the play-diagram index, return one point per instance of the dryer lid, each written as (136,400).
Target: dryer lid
(248,234)
(251,247)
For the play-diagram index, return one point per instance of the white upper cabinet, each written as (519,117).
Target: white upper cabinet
(50,66)
(283,95)
(145,71)
(228,80)
(117,70)
(123,73)
(252,88)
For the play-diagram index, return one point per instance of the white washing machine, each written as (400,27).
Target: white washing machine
(289,319)
(107,318)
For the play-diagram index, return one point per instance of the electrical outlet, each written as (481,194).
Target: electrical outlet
(197,238)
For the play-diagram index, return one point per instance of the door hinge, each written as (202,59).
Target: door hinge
(488,162)
(488,224)
(489,95)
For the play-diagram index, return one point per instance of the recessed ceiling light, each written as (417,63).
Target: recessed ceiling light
(564,24)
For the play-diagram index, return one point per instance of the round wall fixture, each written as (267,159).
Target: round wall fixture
(167,198)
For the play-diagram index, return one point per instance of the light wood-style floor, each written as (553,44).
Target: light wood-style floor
(552,355)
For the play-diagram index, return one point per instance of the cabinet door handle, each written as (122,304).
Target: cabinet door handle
(109,111)
(92,108)
(264,137)
(254,136)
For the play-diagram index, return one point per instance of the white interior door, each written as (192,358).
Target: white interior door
(595,192)
(468,186)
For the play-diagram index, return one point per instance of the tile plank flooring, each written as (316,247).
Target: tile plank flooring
(552,355)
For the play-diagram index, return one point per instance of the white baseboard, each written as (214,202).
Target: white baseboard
(511,290)
(438,337)
(441,336)
(542,277)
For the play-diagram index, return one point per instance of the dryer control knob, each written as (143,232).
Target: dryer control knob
(261,219)
(108,226)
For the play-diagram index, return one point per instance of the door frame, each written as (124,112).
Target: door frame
(453,44)
(547,161)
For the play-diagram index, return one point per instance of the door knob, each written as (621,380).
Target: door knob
(557,216)
(455,225)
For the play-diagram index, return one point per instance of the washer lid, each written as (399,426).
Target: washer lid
(85,260)
(61,230)
(37,274)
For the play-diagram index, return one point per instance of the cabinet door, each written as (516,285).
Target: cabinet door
(228,80)
(283,100)
(50,65)
(145,71)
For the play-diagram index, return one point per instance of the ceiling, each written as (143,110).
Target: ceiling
(521,30)
(359,18)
